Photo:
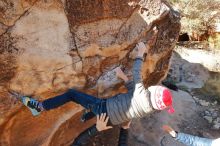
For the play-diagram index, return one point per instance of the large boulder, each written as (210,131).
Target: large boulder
(48,46)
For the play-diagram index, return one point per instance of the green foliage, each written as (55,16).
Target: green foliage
(197,15)
(215,41)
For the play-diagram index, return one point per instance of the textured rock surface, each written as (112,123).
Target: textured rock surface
(48,46)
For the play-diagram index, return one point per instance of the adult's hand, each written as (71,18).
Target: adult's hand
(101,123)
(169,130)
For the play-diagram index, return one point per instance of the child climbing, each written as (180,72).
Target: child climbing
(191,140)
(101,125)
(138,102)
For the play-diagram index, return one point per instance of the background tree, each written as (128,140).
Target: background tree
(198,16)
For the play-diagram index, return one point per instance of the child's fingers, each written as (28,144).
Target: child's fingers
(97,117)
(109,127)
(136,47)
(141,44)
(106,120)
(118,69)
(102,117)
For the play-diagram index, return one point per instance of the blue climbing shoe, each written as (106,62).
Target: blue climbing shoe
(31,103)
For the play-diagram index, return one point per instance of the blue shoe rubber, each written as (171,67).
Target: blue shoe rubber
(26,101)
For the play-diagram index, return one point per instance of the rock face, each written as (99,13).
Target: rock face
(48,46)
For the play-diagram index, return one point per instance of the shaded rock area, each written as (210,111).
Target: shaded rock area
(186,74)
(211,87)
(48,46)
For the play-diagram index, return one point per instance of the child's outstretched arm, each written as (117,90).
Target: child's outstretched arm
(188,139)
(142,49)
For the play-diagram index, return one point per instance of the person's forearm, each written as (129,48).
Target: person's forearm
(193,140)
(137,69)
(84,137)
(123,137)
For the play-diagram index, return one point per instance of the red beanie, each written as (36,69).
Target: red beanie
(161,98)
